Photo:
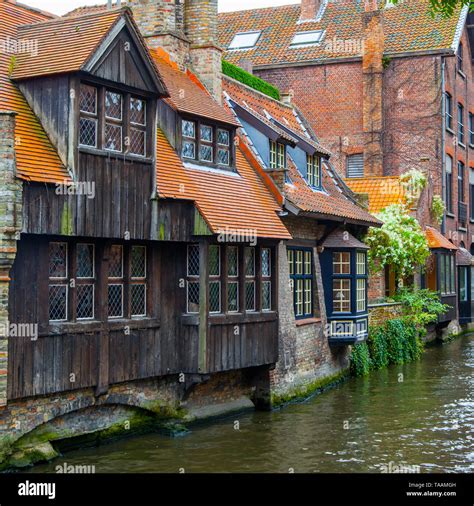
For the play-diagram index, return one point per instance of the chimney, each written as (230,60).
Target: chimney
(286,97)
(309,10)
(200,26)
(161,23)
(246,64)
(372,70)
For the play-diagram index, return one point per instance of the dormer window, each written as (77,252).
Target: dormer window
(205,143)
(313,171)
(119,125)
(277,155)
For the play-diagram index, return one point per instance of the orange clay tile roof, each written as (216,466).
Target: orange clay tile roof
(64,44)
(408,27)
(226,201)
(331,202)
(36,159)
(381,191)
(437,240)
(187,94)
(261,105)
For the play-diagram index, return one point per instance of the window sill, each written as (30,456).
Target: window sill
(115,155)
(231,318)
(214,167)
(450,215)
(307,321)
(89,326)
(462,74)
(461,144)
(450,130)
(462,229)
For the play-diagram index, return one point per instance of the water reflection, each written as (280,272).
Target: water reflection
(418,414)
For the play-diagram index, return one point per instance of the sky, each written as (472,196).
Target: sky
(63,6)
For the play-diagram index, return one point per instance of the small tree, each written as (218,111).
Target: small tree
(399,243)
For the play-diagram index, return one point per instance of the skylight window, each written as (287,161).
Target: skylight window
(307,38)
(244,40)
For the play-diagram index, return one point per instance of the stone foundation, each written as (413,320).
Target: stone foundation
(30,429)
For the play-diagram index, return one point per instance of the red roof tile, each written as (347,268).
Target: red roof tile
(381,191)
(36,158)
(436,240)
(187,94)
(408,27)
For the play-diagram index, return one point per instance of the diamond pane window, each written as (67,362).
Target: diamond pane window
(205,153)
(223,137)
(137,142)
(214,261)
(189,129)
(58,302)
(113,137)
(193,260)
(266,296)
(193,296)
(138,262)
(88,99)
(206,133)
(116,261)
(223,157)
(233,296)
(58,260)
(85,302)
(88,132)
(113,105)
(85,260)
(138,299)
(266,262)
(115,299)
(189,150)
(232,261)
(250,261)
(137,111)
(215,297)
(250,295)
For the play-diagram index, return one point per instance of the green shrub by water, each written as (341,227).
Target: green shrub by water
(395,342)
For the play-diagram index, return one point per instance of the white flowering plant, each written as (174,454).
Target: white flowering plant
(400,243)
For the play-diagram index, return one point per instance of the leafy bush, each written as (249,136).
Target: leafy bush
(360,360)
(396,342)
(378,348)
(437,208)
(245,77)
(420,307)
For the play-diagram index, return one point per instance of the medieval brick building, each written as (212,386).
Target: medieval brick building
(388,89)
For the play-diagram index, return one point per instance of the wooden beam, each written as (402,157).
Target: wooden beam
(203,304)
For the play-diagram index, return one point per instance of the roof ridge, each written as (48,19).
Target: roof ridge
(30,8)
(295,5)
(240,83)
(72,19)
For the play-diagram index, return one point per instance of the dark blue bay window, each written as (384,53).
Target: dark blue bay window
(345,273)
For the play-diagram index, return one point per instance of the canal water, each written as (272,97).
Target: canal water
(419,414)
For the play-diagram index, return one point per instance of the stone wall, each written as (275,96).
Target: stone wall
(380,313)
(10,226)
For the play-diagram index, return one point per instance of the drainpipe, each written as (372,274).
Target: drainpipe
(443,142)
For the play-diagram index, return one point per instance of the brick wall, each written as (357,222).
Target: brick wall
(10,225)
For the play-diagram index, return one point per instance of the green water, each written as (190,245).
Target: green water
(420,414)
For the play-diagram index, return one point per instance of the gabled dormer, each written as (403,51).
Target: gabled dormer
(93,85)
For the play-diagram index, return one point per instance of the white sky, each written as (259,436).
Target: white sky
(61,6)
